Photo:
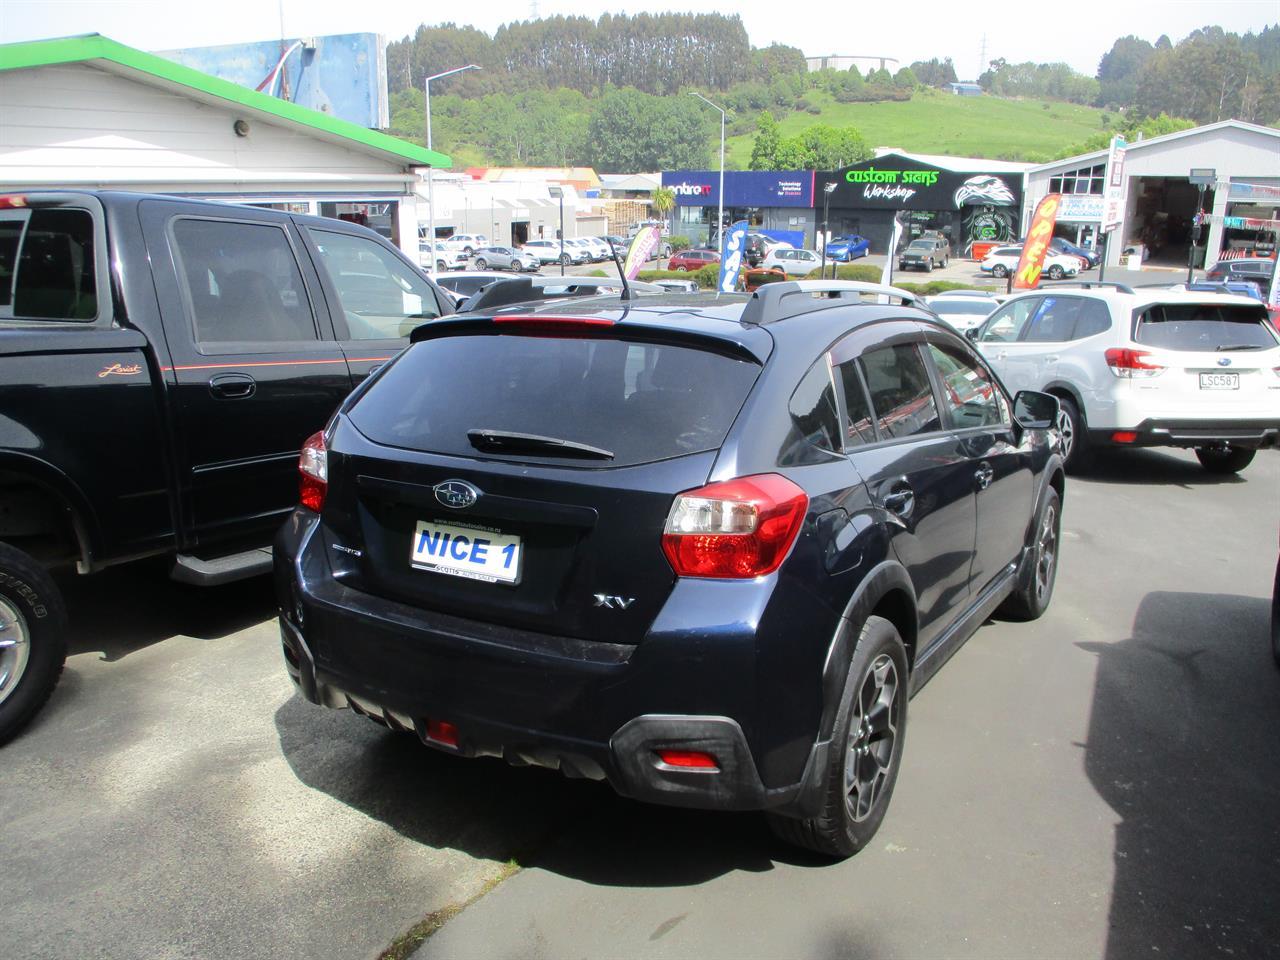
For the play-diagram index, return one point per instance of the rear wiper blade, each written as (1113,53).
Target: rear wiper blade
(1239,346)
(485,439)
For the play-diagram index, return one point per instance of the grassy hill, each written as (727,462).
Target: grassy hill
(936,122)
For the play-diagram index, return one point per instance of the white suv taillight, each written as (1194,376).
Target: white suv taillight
(736,529)
(313,472)
(1132,364)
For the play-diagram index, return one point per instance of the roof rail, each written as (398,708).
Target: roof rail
(778,301)
(1089,284)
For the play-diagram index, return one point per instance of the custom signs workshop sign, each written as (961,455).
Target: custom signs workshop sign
(1027,276)
(895,182)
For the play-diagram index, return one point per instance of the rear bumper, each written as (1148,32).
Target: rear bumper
(1161,432)
(591,710)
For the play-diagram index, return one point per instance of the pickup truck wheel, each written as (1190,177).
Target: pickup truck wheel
(1230,460)
(1031,598)
(866,749)
(33,639)
(1000,270)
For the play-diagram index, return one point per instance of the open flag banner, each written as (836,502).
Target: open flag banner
(1027,276)
(886,275)
(641,250)
(735,240)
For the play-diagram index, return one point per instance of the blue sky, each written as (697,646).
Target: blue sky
(1077,32)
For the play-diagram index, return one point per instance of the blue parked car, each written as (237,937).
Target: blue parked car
(1066,246)
(844,249)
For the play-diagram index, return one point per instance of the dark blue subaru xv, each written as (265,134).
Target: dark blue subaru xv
(701,547)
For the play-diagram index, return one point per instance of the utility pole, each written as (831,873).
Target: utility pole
(982,58)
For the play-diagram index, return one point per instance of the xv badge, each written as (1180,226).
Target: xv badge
(613,603)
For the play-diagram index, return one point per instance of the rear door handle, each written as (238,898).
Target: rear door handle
(901,501)
(232,386)
(984,475)
(1053,358)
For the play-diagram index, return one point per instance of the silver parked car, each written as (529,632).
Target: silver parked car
(505,258)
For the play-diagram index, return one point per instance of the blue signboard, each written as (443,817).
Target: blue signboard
(742,188)
(344,76)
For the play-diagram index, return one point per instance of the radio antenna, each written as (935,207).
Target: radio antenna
(622,274)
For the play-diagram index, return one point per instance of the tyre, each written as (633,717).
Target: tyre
(1000,271)
(565,259)
(1055,272)
(867,741)
(33,639)
(1275,618)
(928,267)
(682,269)
(1030,599)
(441,266)
(1230,460)
(482,264)
(1075,436)
(467,252)
(946,261)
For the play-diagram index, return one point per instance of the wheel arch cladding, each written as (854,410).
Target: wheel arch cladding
(885,592)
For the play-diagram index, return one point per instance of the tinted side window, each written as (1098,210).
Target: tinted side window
(54,277)
(1054,321)
(242,282)
(967,390)
(813,408)
(11,225)
(859,424)
(382,297)
(1094,318)
(1006,324)
(901,394)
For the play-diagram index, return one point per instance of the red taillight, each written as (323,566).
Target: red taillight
(1124,436)
(688,759)
(1129,364)
(442,731)
(12,201)
(559,326)
(313,472)
(736,529)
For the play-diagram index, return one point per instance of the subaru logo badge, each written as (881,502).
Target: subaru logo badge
(1224,361)
(456,494)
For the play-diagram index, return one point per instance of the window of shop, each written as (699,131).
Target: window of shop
(1085,180)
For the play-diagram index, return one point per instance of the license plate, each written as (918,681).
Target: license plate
(476,553)
(1219,381)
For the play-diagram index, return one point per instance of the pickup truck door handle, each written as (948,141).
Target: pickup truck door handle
(899,499)
(232,386)
(984,475)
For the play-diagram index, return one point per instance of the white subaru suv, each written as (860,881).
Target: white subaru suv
(1149,367)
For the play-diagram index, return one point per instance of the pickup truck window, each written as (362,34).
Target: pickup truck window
(382,297)
(47,265)
(242,282)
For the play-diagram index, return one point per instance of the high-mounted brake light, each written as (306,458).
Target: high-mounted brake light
(313,472)
(1132,364)
(736,529)
(562,326)
(12,201)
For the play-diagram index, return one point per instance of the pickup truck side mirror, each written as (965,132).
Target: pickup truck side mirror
(1034,410)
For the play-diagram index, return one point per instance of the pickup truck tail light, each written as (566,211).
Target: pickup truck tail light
(736,530)
(313,472)
(1132,364)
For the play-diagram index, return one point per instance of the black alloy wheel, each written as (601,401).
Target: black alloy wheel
(1056,272)
(1031,597)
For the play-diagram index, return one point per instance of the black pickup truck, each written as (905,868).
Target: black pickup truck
(161,363)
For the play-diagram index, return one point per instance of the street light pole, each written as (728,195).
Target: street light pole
(431,183)
(558,192)
(720,209)
(826,201)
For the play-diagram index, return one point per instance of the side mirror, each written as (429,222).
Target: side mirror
(1034,410)
(972,333)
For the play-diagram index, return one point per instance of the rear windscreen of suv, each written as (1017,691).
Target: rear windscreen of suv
(1204,326)
(640,401)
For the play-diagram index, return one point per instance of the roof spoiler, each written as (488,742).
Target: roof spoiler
(778,301)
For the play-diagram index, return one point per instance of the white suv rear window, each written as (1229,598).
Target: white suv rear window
(1204,326)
